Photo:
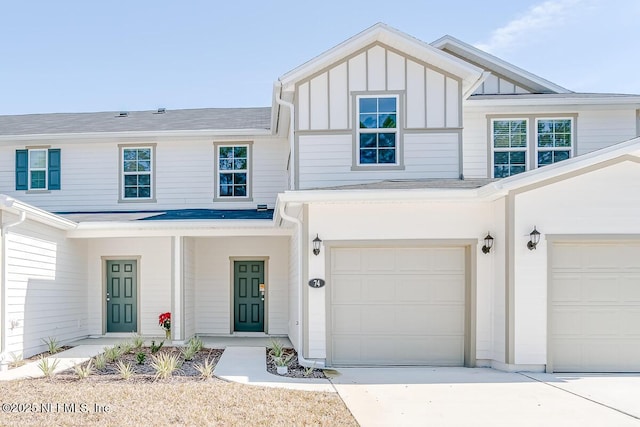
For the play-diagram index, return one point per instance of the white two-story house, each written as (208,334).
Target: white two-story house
(400,203)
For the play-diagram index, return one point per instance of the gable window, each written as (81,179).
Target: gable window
(38,169)
(377,133)
(233,170)
(554,140)
(509,147)
(137,169)
(517,148)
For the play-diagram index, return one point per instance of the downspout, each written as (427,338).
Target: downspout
(4,228)
(301,360)
(292,158)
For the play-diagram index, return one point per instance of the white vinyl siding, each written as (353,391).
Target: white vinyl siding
(214,285)
(154,284)
(184,176)
(325,160)
(46,294)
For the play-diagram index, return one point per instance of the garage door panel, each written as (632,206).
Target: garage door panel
(449,260)
(600,287)
(566,287)
(378,260)
(595,307)
(405,307)
(348,261)
(346,319)
(346,289)
(630,288)
(447,288)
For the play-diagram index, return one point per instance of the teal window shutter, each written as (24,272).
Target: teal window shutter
(22,170)
(54,169)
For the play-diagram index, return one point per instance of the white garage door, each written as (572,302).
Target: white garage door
(595,303)
(401,306)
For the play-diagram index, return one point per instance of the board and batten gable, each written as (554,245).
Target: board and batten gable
(429,119)
(184,174)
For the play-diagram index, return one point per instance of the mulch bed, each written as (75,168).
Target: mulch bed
(144,372)
(295,370)
(36,357)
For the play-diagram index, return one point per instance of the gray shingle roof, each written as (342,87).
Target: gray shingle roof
(137,121)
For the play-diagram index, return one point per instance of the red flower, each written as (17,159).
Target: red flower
(164,320)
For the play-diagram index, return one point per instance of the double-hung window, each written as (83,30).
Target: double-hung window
(233,168)
(509,147)
(517,148)
(38,169)
(137,173)
(554,140)
(377,132)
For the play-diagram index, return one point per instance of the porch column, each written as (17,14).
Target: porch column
(177,289)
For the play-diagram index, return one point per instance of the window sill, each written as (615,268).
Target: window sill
(377,168)
(43,191)
(137,201)
(232,199)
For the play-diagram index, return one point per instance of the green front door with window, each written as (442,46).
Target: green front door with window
(248,300)
(122,296)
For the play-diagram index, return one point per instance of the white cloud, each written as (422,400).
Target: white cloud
(542,16)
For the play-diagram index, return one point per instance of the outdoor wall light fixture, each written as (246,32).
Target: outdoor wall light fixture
(488,244)
(534,239)
(316,245)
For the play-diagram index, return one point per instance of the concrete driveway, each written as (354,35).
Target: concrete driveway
(485,397)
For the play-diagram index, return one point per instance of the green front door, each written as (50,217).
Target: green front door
(248,285)
(122,298)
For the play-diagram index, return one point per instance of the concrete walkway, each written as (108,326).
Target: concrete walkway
(66,359)
(248,365)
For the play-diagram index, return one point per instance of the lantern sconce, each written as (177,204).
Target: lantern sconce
(534,239)
(488,244)
(316,245)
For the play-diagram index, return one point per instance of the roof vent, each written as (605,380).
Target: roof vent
(123,114)
(160,110)
(262,208)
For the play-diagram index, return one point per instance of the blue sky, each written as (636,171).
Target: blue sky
(73,56)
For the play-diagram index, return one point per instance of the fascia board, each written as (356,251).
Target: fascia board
(631,147)
(494,63)
(39,215)
(514,101)
(176,228)
(393,38)
(146,135)
(339,196)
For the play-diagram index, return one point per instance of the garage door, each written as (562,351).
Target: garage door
(400,306)
(595,307)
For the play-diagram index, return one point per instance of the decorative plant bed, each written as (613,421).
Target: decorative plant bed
(295,370)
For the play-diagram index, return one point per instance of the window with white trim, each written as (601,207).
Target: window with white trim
(512,151)
(554,140)
(137,165)
(377,132)
(509,147)
(37,169)
(233,171)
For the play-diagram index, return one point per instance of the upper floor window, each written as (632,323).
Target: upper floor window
(513,153)
(377,132)
(554,140)
(509,147)
(38,169)
(233,169)
(137,173)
